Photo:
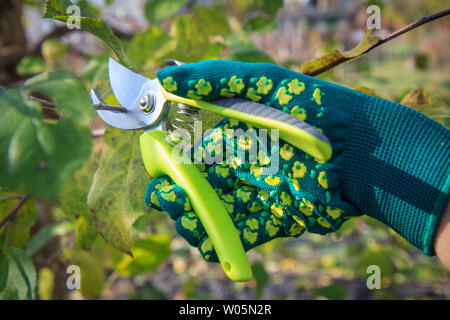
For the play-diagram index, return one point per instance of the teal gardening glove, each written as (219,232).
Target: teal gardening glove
(389,161)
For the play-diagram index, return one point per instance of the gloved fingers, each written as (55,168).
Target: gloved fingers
(173,200)
(151,192)
(322,218)
(236,203)
(189,226)
(254,229)
(215,79)
(221,178)
(241,201)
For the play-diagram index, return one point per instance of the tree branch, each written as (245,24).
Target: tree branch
(14,211)
(335,58)
(413,25)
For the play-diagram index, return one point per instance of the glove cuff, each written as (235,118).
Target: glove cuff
(396,169)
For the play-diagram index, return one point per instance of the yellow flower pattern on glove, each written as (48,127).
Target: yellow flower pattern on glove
(236,85)
(277,210)
(264,85)
(306,207)
(253,224)
(203,87)
(323,180)
(250,236)
(296,87)
(282,96)
(273,180)
(251,94)
(298,170)
(243,195)
(169,84)
(299,113)
(287,152)
(189,222)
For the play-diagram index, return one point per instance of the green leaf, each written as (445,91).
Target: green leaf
(92,275)
(37,154)
(108,256)
(335,57)
(148,254)
(89,6)
(86,231)
(57,9)
(212,20)
(271,6)
(249,54)
(17,275)
(53,49)
(261,277)
(96,70)
(45,283)
(19,228)
(158,10)
(40,239)
(116,196)
(30,65)
(150,46)
(191,37)
(375,255)
(74,203)
(260,23)
(333,292)
(418,99)
(237,40)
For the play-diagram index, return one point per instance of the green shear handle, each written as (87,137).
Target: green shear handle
(157,157)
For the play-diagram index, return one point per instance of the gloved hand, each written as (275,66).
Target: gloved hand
(389,162)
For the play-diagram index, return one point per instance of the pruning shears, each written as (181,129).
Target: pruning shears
(145,105)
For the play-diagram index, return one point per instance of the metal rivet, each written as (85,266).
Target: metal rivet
(147,103)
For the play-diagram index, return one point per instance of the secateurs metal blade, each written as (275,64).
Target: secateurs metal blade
(145,105)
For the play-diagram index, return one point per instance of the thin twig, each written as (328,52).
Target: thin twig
(14,211)
(413,25)
(44,102)
(97,106)
(381,41)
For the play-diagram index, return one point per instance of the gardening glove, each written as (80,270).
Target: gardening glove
(389,161)
(247,206)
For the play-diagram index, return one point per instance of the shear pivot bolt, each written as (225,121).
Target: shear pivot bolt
(147,103)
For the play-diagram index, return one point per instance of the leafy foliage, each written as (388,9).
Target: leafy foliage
(17,275)
(115,195)
(16,233)
(147,253)
(57,9)
(74,203)
(158,10)
(35,151)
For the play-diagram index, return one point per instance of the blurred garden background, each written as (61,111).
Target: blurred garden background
(56,232)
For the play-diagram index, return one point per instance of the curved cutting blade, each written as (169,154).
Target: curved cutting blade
(126,84)
(128,88)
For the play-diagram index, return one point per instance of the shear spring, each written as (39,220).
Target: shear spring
(182,125)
